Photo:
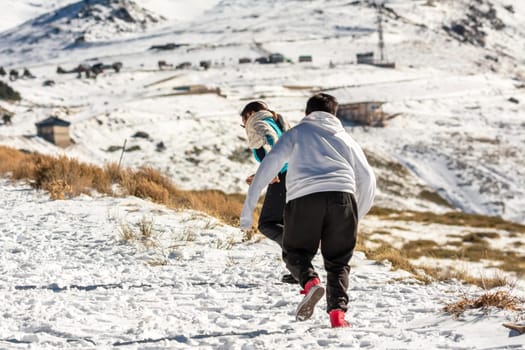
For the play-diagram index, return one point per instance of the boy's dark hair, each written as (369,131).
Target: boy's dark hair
(254,106)
(322,103)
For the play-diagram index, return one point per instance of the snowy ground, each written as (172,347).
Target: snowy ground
(68,281)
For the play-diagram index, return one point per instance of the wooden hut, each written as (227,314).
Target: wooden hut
(54,130)
(366,113)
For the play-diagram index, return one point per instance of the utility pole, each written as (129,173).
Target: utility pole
(380,32)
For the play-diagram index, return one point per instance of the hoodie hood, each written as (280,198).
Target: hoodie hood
(257,129)
(323,120)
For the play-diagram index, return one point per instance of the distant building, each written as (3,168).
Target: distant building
(305,58)
(276,58)
(365,58)
(262,60)
(366,113)
(196,89)
(54,130)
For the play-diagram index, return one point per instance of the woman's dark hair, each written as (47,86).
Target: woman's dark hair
(322,103)
(254,106)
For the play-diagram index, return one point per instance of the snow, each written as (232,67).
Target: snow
(456,129)
(69,281)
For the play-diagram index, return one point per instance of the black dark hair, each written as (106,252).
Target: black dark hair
(254,106)
(322,103)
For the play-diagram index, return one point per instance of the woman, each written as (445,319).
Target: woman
(263,128)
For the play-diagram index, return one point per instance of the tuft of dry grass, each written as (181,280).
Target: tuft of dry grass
(500,299)
(64,177)
(126,233)
(387,252)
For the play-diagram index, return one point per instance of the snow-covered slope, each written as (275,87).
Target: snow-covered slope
(70,281)
(458,92)
(460,101)
(78,24)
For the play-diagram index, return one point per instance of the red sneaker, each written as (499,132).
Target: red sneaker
(313,292)
(337,319)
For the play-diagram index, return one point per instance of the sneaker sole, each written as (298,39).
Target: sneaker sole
(306,308)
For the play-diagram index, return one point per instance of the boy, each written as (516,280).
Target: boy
(330,186)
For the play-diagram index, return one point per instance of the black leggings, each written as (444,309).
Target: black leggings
(271,221)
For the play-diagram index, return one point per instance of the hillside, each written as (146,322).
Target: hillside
(98,272)
(76,25)
(109,268)
(458,128)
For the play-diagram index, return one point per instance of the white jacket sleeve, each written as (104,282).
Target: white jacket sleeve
(268,169)
(365,182)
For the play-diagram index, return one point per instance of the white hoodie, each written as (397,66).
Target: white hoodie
(321,157)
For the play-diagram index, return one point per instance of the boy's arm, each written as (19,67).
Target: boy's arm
(365,182)
(268,169)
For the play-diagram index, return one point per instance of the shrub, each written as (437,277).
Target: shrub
(64,176)
(499,299)
(7,93)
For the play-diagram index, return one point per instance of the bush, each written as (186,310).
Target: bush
(7,93)
(65,177)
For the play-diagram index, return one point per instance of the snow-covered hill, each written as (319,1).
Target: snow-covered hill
(78,24)
(69,280)
(458,93)
(460,100)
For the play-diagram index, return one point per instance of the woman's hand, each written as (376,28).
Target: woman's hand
(249,179)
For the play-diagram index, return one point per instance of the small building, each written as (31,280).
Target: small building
(365,113)
(365,58)
(368,58)
(305,58)
(276,58)
(262,60)
(54,130)
(196,89)
(244,60)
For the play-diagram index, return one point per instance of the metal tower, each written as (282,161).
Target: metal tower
(380,32)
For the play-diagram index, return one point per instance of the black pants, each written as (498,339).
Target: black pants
(271,221)
(329,219)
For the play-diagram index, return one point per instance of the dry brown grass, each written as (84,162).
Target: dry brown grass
(400,260)
(395,256)
(450,218)
(462,275)
(64,177)
(500,299)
